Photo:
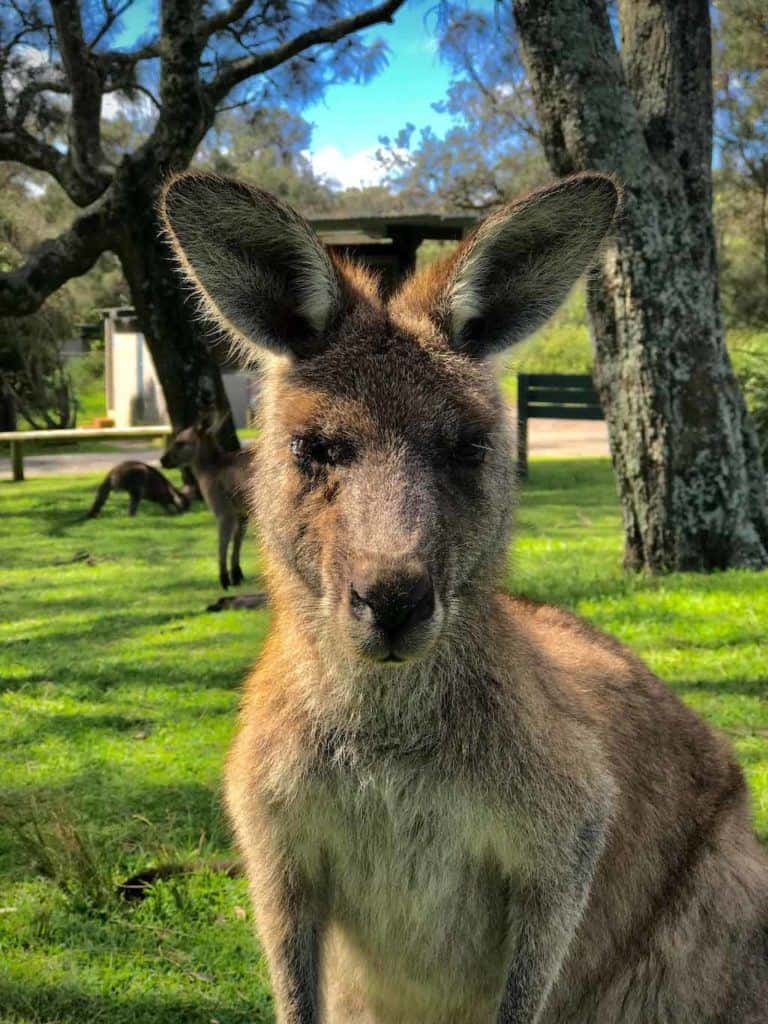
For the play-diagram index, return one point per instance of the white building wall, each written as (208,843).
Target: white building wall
(137,398)
(238,389)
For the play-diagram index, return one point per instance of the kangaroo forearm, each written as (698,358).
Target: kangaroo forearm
(293,970)
(290,938)
(533,972)
(551,913)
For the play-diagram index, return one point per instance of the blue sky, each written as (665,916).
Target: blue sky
(350,118)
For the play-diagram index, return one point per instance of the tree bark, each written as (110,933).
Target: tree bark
(8,416)
(121,202)
(689,473)
(186,367)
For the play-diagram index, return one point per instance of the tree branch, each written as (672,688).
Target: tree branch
(586,111)
(111,15)
(667,56)
(118,62)
(57,260)
(86,83)
(20,146)
(223,19)
(238,71)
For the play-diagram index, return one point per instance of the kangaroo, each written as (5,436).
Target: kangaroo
(222,477)
(140,481)
(453,805)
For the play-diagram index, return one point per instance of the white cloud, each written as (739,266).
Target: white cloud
(25,65)
(356,170)
(31,62)
(114,105)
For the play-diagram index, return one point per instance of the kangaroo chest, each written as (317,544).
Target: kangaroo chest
(412,875)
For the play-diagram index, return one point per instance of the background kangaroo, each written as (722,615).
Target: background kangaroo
(223,478)
(453,805)
(140,481)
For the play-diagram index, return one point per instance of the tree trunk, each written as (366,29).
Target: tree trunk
(186,368)
(7,407)
(177,339)
(690,478)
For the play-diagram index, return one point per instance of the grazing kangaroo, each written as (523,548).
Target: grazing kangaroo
(140,481)
(222,477)
(454,806)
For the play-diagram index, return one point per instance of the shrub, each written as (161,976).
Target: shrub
(749,352)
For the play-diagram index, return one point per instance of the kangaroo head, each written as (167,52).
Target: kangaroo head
(385,474)
(186,447)
(182,449)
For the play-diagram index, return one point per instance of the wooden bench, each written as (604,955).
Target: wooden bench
(552,396)
(18,438)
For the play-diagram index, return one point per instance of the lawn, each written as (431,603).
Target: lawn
(117,701)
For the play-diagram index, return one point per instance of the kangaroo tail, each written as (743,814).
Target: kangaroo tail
(137,886)
(180,499)
(101,496)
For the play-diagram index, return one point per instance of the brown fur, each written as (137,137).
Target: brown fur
(513,820)
(140,481)
(223,478)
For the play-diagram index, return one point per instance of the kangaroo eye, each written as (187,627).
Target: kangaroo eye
(471,451)
(315,450)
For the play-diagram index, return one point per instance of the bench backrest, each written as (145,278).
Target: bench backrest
(557,396)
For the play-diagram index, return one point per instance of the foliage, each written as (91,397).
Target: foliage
(119,696)
(491,153)
(749,352)
(267,146)
(32,208)
(33,368)
(108,122)
(741,83)
(87,375)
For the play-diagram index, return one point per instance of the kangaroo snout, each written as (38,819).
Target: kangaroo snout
(389,601)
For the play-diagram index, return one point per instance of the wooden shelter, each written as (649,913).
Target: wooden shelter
(387,244)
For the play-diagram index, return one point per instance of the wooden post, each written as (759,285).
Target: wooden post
(17,459)
(522,426)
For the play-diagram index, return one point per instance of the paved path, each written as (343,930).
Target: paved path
(567,437)
(545,437)
(38,463)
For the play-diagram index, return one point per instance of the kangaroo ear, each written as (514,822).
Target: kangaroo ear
(521,263)
(205,417)
(257,266)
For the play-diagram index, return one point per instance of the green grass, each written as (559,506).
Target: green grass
(117,702)
(563,345)
(87,374)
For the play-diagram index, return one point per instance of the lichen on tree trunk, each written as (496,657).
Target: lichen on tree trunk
(690,479)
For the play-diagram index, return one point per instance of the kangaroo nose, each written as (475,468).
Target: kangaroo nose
(394,599)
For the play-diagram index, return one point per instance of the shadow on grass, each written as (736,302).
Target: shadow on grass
(76,727)
(95,683)
(64,1003)
(745,687)
(137,822)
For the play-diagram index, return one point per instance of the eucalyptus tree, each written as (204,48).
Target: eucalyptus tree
(626,88)
(64,66)
(690,474)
